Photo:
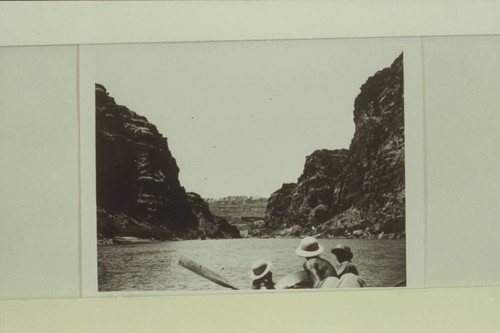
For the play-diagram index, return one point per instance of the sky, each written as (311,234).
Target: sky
(241,117)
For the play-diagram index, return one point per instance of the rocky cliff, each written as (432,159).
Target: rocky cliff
(211,226)
(138,190)
(359,192)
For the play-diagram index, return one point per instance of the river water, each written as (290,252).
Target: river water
(154,266)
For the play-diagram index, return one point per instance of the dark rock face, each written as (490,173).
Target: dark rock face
(313,193)
(306,203)
(278,206)
(374,182)
(358,192)
(138,190)
(211,226)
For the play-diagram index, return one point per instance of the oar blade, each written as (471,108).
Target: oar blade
(205,272)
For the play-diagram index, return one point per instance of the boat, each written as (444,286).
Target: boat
(300,280)
(296,280)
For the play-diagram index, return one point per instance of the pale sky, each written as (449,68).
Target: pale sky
(241,117)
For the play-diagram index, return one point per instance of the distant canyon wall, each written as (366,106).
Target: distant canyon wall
(359,192)
(240,211)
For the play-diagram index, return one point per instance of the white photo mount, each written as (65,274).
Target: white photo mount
(89,56)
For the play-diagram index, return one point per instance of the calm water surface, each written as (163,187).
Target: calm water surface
(153,266)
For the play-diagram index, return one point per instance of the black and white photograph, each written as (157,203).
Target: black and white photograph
(225,167)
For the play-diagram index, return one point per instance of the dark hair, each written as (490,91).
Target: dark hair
(265,281)
(341,257)
(262,278)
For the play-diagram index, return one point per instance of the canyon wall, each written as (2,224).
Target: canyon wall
(137,184)
(359,192)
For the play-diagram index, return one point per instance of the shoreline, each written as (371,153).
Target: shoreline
(126,240)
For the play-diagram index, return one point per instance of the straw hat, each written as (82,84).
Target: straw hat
(342,250)
(309,247)
(260,268)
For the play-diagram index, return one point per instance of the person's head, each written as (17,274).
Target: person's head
(261,269)
(309,248)
(343,253)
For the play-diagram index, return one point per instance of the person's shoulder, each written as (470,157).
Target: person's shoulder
(312,262)
(344,264)
(308,263)
(318,262)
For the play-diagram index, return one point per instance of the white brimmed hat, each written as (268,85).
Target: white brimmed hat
(309,247)
(260,268)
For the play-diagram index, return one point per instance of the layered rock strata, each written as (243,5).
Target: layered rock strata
(240,211)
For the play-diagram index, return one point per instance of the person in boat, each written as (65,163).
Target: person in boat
(344,257)
(262,277)
(318,269)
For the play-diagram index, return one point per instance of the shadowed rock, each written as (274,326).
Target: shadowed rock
(138,190)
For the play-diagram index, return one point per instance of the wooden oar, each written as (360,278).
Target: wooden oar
(205,272)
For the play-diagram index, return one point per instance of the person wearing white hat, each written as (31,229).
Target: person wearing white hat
(262,277)
(317,268)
